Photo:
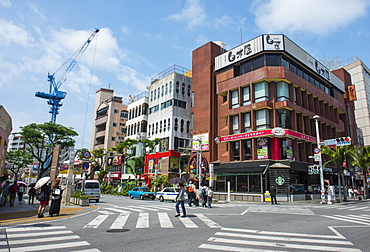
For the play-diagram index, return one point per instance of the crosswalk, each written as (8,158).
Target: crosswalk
(248,240)
(35,238)
(354,207)
(363,219)
(143,220)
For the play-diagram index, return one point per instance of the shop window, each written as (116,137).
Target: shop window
(286,147)
(284,118)
(282,89)
(246,95)
(262,148)
(254,184)
(235,150)
(234,99)
(247,148)
(262,119)
(261,91)
(235,124)
(247,122)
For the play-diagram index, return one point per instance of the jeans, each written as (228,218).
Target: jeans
(180,202)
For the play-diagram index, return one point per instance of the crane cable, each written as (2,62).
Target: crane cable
(88,93)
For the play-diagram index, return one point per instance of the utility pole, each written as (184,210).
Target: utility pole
(316,118)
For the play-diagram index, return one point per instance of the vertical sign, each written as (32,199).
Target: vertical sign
(352,93)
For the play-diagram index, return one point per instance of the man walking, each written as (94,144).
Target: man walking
(180,199)
(273,194)
(191,193)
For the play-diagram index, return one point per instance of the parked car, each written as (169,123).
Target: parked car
(141,192)
(168,193)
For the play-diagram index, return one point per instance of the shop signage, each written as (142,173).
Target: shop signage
(280,180)
(278,132)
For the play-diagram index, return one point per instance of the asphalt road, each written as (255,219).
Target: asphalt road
(123,224)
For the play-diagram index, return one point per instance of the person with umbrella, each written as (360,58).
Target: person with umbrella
(180,199)
(44,195)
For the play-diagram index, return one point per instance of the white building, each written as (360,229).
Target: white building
(360,76)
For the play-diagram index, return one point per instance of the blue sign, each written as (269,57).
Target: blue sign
(85,165)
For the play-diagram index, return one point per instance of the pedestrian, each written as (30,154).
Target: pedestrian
(350,192)
(180,200)
(191,193)
(204,195)
(43,197)
(5,194)
(13,193)
(20,193)
(209,196)
(273,194)
(31,195)
(56,198)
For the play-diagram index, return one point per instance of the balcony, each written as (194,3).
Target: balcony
(101,120)
(100,134)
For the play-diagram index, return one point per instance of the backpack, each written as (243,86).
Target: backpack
(191,188)
(14,188)
(204,191)
(41,196)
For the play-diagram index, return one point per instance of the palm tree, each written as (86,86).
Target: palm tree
(337,156)
(361,158)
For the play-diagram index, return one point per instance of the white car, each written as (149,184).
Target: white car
(168,193)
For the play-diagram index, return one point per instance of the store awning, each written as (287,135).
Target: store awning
(240,168)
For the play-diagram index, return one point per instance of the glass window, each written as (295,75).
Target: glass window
(258,62)
(261,92)
(169,126)
(286,147)
(153,129)
(189,90)
(166,92)
(247,144)
(182,125)
(156,128)
(162,93)
(246,67)
(160,127)
(262,119)
(235,124)
(151,95)
(235,148)
(262,148)
(246,95)
(285,63)
(273,59)
(177,87)
(183,89)
(284,118)
(159,93)
(292,67)
(234,99)
(170,89)
(176,124)
(247,122)
(164,125)
(115,111)
(150,127)
(282,91)
(155,94)
(188,127)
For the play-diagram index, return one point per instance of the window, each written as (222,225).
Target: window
(282,91)
(246,95)
(262,119)
(166,92)
(114,124)
(115,111)
(151,95)
(176,124)
(286,148)
(156,128)
(155,94)
(113,139)
(235,124)
(273,59)
(183,89)
(258,62)
(188,127)
(160,127)
(247,122)
(234,99)
(261,91)
(284,118)
(177,87)
(153,129)
(235,148)
(247,144)
(162,93)
(169,126)
(159,93)
(170,89)
(182,125)
(164,125)
(262,148)
(189,90)
(150,127)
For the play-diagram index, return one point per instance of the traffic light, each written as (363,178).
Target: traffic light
(313,169)
(343,141)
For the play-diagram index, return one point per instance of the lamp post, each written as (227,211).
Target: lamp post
(316,118)
(199,161)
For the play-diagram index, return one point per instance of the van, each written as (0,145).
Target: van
(90,187)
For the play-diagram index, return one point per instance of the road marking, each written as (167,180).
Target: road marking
(40,234)
(210,223)
(44,239)
(187,222)
(86,250)
(236,249)
(21,229)
(51,246)
(120,221)
(97,221)
(244,212)
(118,210)
(347,218)
(164,220)
(143,220)
(105,212)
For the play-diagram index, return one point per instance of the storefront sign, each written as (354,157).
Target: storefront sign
(278,132)
(280,180)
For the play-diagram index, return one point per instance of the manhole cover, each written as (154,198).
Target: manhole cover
(117,230)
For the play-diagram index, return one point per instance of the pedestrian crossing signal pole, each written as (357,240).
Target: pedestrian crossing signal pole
(316,118)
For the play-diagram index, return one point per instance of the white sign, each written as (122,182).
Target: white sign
(317,157)
(330,142)
(278,132)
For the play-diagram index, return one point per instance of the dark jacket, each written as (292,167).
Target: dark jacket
(272,190)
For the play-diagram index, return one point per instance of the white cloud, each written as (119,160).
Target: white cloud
(35,9)
(5,3)
(11,33)
(193,14)
(314,16)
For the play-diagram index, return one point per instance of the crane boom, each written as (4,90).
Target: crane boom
(55,96)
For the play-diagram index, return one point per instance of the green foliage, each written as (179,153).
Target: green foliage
(20,159)
(101,175)
(160,181)
(125,187)
(79,195)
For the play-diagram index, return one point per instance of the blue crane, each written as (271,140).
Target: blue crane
(55,96)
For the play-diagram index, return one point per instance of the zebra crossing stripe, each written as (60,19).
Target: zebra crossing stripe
(188,223)
(51,246)
(105,212)
(359,208)
(118,210)
(44,239)
(132,209)
(120,221)
(86,250)
(344,218)
(40,234)
(285,245)
(143,220)
(146,208)
(97,221)
(164,220)
(210,223)
(236,249)
(21,229)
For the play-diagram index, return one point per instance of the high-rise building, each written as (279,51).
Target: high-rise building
(16,142)
(254,108)
(6,127)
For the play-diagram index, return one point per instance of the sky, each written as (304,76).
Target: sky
(139,39)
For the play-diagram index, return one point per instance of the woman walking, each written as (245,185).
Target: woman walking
(56,198)
(180,198)
(44,199)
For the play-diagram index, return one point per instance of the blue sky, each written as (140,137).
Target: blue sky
(139,39)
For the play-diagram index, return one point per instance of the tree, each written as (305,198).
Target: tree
(361,158)
(41,140)
(126,149)
(20,159)
(337,156)
(98,161)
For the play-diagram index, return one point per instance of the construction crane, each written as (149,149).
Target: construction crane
(55,96)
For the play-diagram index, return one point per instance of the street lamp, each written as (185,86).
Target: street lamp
(316,118)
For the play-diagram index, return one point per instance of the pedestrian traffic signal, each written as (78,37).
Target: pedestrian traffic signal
(343,141)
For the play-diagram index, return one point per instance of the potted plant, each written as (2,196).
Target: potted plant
(80,198)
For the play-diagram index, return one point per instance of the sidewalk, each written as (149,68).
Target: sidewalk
(23,213)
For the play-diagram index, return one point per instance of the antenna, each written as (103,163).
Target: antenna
(109,85)
(241,35)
